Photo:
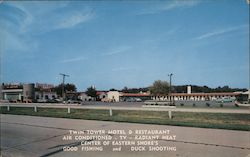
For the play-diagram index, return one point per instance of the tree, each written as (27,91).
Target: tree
(159,87)
(113,89)
(125,89)
(67,87)
(134,90)
(91,91)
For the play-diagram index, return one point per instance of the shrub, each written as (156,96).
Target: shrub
(194,105)
(221,105)
(182,104)
(208,105)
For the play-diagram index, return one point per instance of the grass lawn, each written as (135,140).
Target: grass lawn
(231,121)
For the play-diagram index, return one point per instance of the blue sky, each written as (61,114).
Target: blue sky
(113,44)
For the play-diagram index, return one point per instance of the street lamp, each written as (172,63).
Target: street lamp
(170,88)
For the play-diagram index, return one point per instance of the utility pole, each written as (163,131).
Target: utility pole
(170,88)
(63,75)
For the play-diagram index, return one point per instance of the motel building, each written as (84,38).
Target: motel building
(181,96)
(189,96)
(195,96)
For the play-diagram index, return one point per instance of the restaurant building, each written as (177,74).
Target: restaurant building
(17,92)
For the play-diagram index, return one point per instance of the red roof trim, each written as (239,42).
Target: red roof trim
(203,94)
(135,94)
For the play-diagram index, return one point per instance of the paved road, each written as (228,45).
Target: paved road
(42,136)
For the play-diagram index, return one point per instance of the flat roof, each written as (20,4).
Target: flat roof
(11,90)
(206,94)
(135,94)
(183,94)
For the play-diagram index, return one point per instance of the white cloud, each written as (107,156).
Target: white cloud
(15,42)
(181,4)
(51,16)
(73,59)
(121,69)
(118,50)
(20,21)
(12,42)
(170,5)
(15,18)
(73,20)
(13,30)
(221,32)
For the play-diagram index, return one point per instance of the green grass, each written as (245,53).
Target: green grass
(231,121)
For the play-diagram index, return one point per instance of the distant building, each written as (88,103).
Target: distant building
(185,96)
(189,90)
(44,92)
(44,86)
(45,95)
(195,96)
(128,96)
(244,97)
(114,96)
(17,92)
(84,97)
(101,95)
(27,92)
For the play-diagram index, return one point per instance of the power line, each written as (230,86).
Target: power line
(63,75)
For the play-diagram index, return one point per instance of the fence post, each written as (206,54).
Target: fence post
(8,108)
(170,114)
(68,109)
(110,112)
(35,109)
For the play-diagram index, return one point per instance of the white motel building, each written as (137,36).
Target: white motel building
(187,96)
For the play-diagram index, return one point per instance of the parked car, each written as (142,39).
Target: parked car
(130,100)
(138,100)
(133,100)
(27,100)
(73,102)
(41,100)
(225,99)
(4,101)
(105,100)
(52,101)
